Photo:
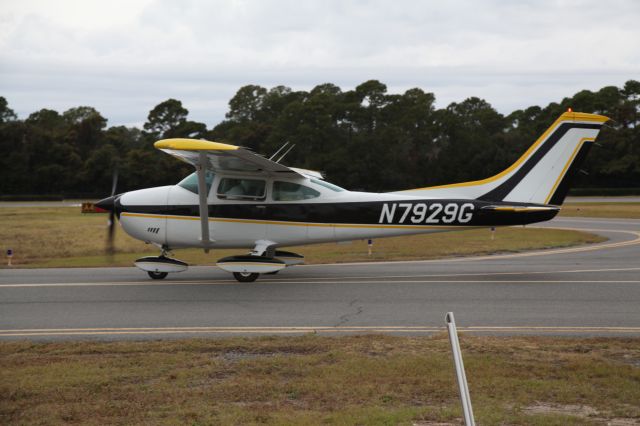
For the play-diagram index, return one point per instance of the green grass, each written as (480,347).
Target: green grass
(63,237)
(609,210)
(368,379)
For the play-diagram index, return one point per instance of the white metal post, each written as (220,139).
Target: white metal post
(465,399)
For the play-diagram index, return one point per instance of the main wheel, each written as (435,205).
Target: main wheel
(158,275)
(246,277)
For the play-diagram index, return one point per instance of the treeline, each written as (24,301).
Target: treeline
(363,139)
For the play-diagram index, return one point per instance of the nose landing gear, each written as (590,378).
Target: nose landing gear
(159,267)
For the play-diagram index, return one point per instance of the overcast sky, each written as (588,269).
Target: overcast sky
(123,57)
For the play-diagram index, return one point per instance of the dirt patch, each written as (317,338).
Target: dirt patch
(435,424)
(569,409)
(582,411)
(623,422)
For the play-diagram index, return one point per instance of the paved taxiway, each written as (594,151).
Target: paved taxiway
(589,291)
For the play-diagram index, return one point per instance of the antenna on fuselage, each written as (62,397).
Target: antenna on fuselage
(286,152)
(279,149)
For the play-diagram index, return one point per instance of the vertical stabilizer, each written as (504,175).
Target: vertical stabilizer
(542,174)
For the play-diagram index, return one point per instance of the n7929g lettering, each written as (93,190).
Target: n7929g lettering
(426,213)
(238,199)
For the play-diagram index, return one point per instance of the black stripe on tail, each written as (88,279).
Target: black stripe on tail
(501,191)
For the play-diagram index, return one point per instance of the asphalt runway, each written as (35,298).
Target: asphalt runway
(591,290)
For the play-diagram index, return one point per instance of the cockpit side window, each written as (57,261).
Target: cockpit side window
(241,189)
(289,191)
(190,183)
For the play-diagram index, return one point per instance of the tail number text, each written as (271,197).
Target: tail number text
(426,213)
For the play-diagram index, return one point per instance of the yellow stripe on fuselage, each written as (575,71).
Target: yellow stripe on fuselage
(284,223)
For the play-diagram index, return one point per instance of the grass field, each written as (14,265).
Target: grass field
(55,237)
(369,379)
(611,210)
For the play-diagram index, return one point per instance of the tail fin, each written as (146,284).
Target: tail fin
(542,174)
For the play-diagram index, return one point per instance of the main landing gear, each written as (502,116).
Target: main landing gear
(157,275)
(246,277)
(247,268)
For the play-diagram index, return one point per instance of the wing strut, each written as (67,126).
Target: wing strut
(202,194)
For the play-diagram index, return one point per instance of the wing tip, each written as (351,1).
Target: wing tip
(193,145)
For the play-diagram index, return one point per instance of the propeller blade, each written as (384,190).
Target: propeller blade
(111,232)
(109,204)
(115,182)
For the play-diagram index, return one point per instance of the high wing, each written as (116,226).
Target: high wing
(223,157)
(220,157)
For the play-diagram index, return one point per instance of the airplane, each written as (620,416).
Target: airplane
(239,199)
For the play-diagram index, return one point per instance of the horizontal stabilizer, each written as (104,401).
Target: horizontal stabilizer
(521,209)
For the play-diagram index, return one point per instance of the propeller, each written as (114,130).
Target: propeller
(112,216)
(110,205)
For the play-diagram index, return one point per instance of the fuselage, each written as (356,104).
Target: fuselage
(300,211)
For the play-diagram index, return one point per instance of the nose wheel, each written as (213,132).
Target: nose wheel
(246,277)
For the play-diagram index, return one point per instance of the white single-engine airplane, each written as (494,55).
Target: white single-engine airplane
(239,199)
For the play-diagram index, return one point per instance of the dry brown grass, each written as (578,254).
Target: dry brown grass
(319,380)
(42,233)
(63,237)
(610,210)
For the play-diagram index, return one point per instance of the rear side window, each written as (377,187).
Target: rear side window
(241,189)
(289,191)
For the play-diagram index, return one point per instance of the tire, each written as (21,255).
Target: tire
(245,277)
(158,275)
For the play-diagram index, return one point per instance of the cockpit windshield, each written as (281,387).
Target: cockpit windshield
(328,185)
(191,182)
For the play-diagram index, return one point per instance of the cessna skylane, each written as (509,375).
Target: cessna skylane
(239,199)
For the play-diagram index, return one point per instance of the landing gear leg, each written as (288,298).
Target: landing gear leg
(161,275)
(158,275)
(166,251)
(246,277)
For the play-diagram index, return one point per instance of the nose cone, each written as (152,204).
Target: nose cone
(108,204)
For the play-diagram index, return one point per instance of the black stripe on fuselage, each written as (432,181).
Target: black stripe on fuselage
(413,212)
(501,191)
